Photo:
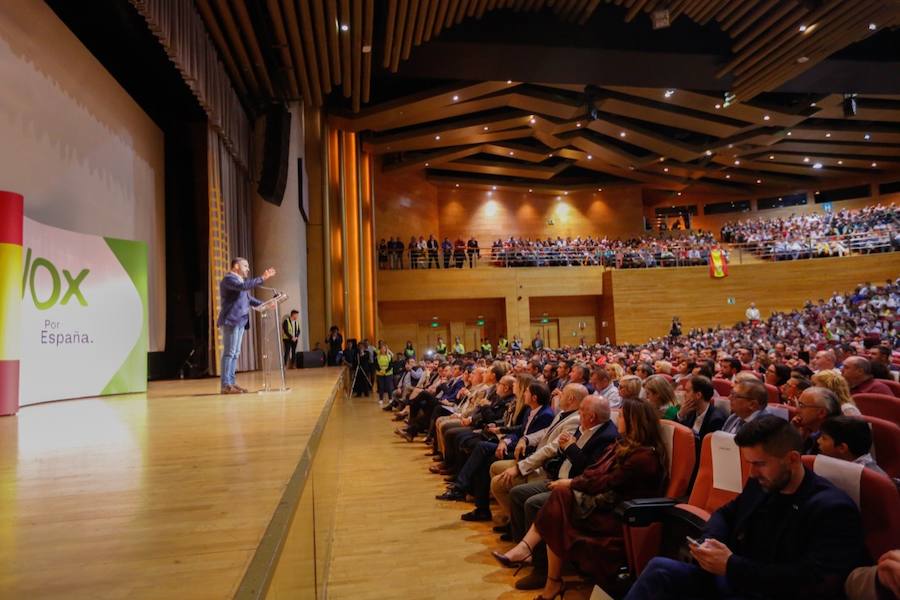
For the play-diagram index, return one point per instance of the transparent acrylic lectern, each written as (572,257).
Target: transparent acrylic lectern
(272,350)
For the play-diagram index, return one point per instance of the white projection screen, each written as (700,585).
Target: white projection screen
(76,145)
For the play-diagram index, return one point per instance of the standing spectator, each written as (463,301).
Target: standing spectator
(335,342)
(432,246)
(459,252)
(447,250)
(290,333)
(472,251)
(752,315)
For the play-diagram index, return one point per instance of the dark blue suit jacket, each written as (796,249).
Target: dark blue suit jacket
(541,420)
(809,554)
(236,300)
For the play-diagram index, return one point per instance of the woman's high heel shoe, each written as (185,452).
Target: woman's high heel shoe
(559,594)
(513,564)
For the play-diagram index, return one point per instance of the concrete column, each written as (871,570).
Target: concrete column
(279,233)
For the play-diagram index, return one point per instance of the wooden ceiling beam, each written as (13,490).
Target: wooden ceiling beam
(308,48)
(223,47)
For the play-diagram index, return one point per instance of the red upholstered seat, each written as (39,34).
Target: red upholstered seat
(642,543)
(894,385)
(879,504)
(886,444)
(722,386)
(879,405)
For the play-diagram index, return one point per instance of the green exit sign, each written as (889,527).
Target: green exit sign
(545,320)
(479,322)
(435,324)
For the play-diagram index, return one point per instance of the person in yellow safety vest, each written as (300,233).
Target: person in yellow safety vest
(458,347)
(290,333)
(486,347)
(385,373)
(502,345)
(441,347)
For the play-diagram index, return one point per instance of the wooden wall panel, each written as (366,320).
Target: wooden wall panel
(411,320)
(571,312)
(468,212)
(646,299)
(405,205)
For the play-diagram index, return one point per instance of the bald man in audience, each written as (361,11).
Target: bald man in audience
(576,451)
(506,474)
(824,360)
(814,406)
(748,401)
(858,373)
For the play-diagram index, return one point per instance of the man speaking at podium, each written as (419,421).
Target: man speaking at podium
(234,316)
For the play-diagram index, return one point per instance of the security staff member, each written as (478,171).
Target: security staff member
(502,345)
(441,347)
(290,333)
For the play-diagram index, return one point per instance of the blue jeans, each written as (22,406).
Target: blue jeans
(231,338)
(666,578)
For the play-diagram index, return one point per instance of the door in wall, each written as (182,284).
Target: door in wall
(472,340)
(549,332)
(428,336)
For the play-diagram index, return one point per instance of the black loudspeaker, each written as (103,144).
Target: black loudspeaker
(273,176)
(310,360)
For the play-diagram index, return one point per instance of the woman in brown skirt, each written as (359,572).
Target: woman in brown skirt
(577,522)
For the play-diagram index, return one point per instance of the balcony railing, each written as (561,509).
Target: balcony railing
(674,253)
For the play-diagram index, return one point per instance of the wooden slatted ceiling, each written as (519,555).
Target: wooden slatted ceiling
(320,46)
(768,47)
(541,131)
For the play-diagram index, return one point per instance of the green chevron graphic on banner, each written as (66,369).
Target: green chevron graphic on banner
(132,375)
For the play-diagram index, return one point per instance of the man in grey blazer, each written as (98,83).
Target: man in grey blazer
(506,474)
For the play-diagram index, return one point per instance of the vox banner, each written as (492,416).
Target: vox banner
(84,329)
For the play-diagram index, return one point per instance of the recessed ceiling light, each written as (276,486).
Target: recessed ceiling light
(728,177)
(840,162)
(828,134)
(493,187)
(817,166)
(577,124)
(812,104)
(666,169)
(669,93)
(565,193)
(345,27)
(437,137)
(737,162)
(532,120)
(622,134)
(679,193)
(426,164)
(731,145)
(874,164)
(511,153)
(759,181)
(802,59)
(455,98)
(485,127)
(457,185)
(771,157)
(599,189)
(508,81)
(590,157)
(802,28)
(766,117)
(790,133)
(867,137)
(530,190)
(708,152)
(872,26)
(718,106)
(806,159)
(551,154)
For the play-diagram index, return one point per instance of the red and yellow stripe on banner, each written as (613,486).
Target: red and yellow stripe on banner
(718,264)
(11,224)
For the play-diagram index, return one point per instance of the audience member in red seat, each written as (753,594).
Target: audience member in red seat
(848,438)
(577,522)
(824,359)
(878,582)
(697,412)
(834,381)
(791,390)
(749,399)
(790,534)
(882,354)
(728,368)
(858,373)
(815,405)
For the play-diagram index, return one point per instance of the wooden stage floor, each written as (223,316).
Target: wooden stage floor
(158,495)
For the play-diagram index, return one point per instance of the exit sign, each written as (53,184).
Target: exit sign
(545,320)
(435,324)
(479,322)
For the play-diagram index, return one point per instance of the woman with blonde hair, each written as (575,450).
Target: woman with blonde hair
(834,381)
(616,372)
(630,387)
(661,394)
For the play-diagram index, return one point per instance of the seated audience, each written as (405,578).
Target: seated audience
(834,381)
(814,406)
(697,410)
(848,438)
(577,522)
(818,528)
(748,401)
(879,582)
(858,373)
(661,394)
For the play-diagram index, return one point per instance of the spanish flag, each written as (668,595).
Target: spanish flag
(11,224)
(718,264)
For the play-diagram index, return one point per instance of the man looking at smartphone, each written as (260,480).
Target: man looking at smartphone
(789,534)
